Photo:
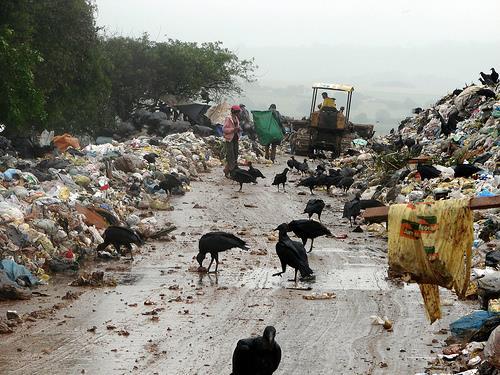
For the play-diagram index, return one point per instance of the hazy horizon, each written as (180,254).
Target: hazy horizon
(397,54)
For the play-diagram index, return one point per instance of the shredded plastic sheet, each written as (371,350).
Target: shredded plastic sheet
(431,243)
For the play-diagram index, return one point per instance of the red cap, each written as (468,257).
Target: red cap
(235,108)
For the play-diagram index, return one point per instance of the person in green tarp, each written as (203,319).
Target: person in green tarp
(272,155)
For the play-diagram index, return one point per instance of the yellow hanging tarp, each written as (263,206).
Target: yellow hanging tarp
(431,243)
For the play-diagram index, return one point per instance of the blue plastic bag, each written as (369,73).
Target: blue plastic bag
(468,324)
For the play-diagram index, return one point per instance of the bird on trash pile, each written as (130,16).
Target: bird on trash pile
(254,171)
(428,171)
(280,179)
(314,206)
(465,170)
(213,243)
(242,177)
(352,209)
(121,236)
(489,79)
(308,229)
(150,157)
(257,355)
(169,183)
(293,254)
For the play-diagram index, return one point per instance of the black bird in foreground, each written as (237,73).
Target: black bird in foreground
(280,179)
(169,183)
(293,254)
(308,229)
(257,355)
(120,236)
(242,177)
(428,171)
(465,170)
(310,182)
(314,206)
(215,242)
(254,171)
(352,209)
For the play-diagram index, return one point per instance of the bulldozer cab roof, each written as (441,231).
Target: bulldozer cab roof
(333,86)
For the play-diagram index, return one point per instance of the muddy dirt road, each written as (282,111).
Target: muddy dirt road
(195,320)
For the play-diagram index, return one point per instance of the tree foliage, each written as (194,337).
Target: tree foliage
(58,72)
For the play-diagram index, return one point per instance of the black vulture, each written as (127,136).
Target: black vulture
(428,171)
(170,182)
(309,182)
(465,170)
(308,229)
(487,93)
(352,209)
(314,206)
(118,236)
(347,172)
(328,181)
(292,163)
(303,167)
(320,169)
(254,171)
(416,149)
(494,75)
(370,203)
(257,355)
(334,172)
(345,183)
(214,243)
(242,177)
(409,142)
(280,179)
(150,157)
(293,254)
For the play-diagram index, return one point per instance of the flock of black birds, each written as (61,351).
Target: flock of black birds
(262,355)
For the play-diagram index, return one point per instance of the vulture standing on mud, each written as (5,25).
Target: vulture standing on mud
(314,206)
(292,163)
(280,179)
(293,254)
(120,236)
(215,242)
(150,158)
(303,167)
(352,209)
(345,183)
(309,182)
(308,229)
(257,355)
(254,171)
(242,177)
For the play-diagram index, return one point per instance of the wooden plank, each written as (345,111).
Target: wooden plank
(479,203)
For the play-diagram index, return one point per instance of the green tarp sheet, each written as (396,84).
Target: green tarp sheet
(266,127)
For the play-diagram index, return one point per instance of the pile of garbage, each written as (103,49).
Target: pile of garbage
(54,209)
(451,150)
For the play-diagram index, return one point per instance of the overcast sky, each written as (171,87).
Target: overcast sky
(390,50)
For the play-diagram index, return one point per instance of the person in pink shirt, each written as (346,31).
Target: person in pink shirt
(231,131)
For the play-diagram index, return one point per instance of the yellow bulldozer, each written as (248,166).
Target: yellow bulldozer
(327,128)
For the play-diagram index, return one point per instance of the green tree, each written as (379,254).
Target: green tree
(130,72)
(21,103)
(72,76)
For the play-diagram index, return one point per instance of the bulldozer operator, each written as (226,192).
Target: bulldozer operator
(328,103)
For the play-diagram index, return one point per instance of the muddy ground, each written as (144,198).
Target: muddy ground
(195,319)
